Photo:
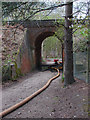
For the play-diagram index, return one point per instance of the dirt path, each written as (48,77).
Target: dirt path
(54,102)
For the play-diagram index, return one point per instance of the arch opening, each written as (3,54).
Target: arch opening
(39,58)
(38,43)
(51,49)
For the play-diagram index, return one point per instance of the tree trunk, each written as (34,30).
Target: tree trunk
(68,46)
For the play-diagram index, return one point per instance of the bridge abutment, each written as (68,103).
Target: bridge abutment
(30,51)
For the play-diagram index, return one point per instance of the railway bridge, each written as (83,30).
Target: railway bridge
(29,57)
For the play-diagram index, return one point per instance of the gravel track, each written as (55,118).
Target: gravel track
(55,102)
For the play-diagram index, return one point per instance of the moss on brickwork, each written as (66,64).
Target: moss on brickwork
(18,70)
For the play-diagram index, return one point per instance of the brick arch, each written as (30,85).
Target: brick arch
(29,57)
(38,43)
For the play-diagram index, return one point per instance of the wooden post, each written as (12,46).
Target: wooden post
(88,49)
(74,63)
(88,63)
(62,56)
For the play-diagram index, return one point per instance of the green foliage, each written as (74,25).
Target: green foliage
(81,45)
(84,32)
(80,40)
(8,60)
(60,34)
(60,29)
(18,70)
(7,70)
(52,47)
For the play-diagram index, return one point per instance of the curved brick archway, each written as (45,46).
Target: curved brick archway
(30,51)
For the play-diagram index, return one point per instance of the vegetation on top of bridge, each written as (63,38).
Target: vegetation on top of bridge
(37,23)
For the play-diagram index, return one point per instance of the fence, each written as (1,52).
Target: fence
(81,66)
